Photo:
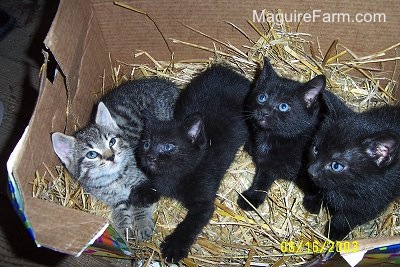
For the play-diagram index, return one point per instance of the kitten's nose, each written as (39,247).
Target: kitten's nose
(111,158)
(313,170)
(151,157)
(109,155)
(265,113)
(149,161)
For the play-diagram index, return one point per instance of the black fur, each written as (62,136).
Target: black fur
(187,157)
(366,145)
(280,138)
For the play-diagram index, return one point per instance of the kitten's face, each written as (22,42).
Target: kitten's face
(94,152)
(171,147)
(282,106)
(344,157)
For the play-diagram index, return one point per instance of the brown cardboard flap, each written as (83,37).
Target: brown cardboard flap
(55,226)
(37,150)
(93,66)
(78,45)
(49,116)
(126,31)
(75,40)
(60,228)
(66,38)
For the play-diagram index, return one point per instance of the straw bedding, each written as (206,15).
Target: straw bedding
(234,237)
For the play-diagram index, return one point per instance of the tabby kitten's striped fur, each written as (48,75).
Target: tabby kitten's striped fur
(101,156)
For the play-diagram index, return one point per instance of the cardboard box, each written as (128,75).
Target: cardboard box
(81,38)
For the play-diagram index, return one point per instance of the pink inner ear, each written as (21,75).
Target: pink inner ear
(382,148)
(67,148)
(311,95)
(194,130)
(63,146)
(383,152)
(103,116)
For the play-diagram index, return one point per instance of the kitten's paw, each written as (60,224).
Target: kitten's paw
(143,229)
(339,227)
(143,196)
(124,228)
(256,198)
(336,234)
(174,249)
(312,203)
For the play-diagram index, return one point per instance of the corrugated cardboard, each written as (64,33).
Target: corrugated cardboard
(85,33)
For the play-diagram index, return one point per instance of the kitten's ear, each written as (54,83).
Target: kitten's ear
(267,71)
(382,147)
(194,127)
(312,89)
(63,145)
(104,118)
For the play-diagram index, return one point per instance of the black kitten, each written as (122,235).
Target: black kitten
(187,157)
(355,163)
(283,117)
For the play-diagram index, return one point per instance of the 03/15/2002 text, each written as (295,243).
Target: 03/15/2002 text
(319,247)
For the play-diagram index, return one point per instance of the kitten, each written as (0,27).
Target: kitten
(283,115)
(101,156)
(186,158)
(355,164)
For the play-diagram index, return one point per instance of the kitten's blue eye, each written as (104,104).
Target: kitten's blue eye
(92,154)
(168,148)
(337,167)
(283,107)
(261,98)
(112,142)
(146,145)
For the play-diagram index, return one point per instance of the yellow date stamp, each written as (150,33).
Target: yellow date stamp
(318,246)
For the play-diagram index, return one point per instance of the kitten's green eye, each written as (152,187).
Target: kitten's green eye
(283,107)
(168,148)
(261,98)
(112,141)
(146,145)
(92,154)
(336,166)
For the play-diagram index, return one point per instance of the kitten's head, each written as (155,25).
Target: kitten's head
(93,152)
(171,147)
(283,106)
(345,157)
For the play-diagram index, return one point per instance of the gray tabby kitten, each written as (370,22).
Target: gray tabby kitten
(101,156)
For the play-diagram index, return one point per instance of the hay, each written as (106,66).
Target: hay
(235,237)
(62,189)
